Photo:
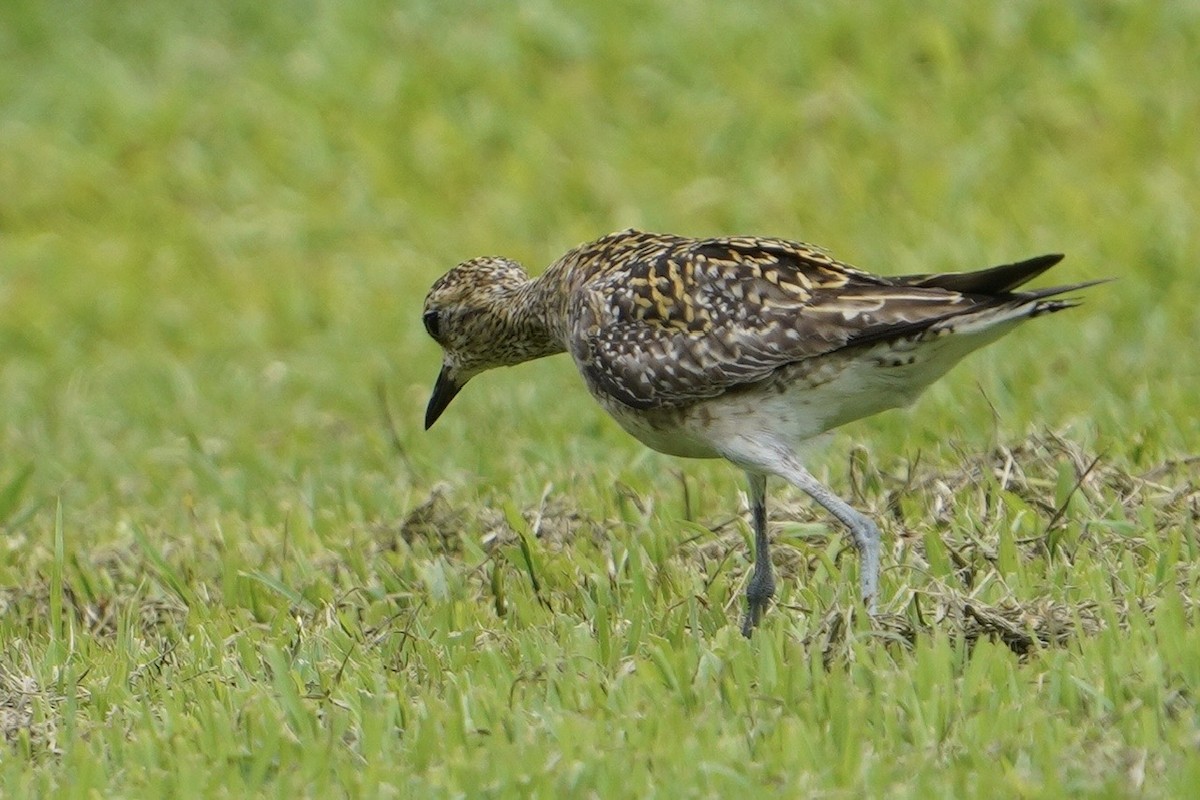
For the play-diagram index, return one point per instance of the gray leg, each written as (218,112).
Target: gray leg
(761,588)
(864,532)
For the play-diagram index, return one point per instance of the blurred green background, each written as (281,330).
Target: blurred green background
(218,221)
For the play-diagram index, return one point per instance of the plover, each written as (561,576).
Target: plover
(739,348)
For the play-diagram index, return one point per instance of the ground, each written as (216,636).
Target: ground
(233,563)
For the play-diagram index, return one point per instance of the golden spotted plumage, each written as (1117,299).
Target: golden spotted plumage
(735,347)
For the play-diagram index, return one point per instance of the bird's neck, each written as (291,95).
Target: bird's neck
(537,313)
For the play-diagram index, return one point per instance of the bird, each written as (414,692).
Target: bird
(736,347)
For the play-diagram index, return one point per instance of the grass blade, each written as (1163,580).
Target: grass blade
(10,495)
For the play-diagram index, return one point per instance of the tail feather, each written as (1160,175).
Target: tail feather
(1052,291)
(996,280)
(983,312)
(1015,307)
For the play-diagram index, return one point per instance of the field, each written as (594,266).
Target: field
(233,563)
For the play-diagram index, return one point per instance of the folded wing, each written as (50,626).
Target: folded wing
(676,320)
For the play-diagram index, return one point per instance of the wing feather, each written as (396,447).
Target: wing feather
(668,321)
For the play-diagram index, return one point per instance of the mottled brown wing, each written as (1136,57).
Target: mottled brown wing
(680,320)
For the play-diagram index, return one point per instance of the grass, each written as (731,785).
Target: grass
(232,562)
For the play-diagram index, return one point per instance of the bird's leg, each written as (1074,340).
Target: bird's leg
(762,581)
(864,532)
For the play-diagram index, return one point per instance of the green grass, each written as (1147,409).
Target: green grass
(232,562)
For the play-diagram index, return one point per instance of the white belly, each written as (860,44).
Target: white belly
(800,401)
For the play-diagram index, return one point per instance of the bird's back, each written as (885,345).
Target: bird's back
(659,321)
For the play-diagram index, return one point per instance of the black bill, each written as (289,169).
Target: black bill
(443,392)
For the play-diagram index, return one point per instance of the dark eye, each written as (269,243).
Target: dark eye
(431,323)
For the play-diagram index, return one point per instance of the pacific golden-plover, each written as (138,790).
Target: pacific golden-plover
(739,348)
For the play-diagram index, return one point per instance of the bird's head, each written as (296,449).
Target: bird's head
(469,312)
